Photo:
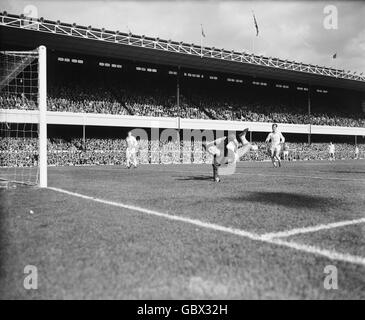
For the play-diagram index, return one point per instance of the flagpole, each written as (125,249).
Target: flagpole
(201,46)
(201,40)
(334,57)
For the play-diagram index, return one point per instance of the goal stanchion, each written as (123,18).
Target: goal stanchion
(23,123)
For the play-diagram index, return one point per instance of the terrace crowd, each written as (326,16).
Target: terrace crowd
(18,152)
(156,102)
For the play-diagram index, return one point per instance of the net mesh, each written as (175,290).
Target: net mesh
(19,130)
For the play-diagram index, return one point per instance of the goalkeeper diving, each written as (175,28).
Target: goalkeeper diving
(227,151)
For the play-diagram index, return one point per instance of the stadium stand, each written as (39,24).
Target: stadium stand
(72,152)
(78,100)
(149,94)
(89,82)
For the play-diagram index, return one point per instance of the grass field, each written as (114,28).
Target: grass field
(168,231)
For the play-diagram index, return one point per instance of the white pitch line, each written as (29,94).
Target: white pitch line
(296,231)
(196,222)
(330,254)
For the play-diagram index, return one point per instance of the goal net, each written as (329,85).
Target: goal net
(23,129)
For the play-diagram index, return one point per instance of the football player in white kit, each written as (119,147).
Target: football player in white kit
(275,138)
(357,151)
(331,151)
(131,152)
(285,152)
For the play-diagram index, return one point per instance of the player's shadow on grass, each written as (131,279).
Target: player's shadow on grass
(348,172)
(195,178)
(288,199)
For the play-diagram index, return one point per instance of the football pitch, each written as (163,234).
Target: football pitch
(170,232)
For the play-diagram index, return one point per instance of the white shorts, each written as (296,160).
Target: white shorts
(275,149)
(130,152)
(214,150)
(232,147)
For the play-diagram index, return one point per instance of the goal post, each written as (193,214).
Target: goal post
(23,117)
(42,100)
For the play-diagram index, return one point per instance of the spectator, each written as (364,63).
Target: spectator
(23,152)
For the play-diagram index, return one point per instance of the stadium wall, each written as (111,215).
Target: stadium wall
(107,120)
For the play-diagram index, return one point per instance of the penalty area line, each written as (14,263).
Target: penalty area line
(297,231)
(330,254)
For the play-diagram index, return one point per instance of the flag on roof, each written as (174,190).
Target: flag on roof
(203,33)
(255,22)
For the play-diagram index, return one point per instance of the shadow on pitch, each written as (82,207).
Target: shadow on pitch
(195,178)
(349,172)
(287,199)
